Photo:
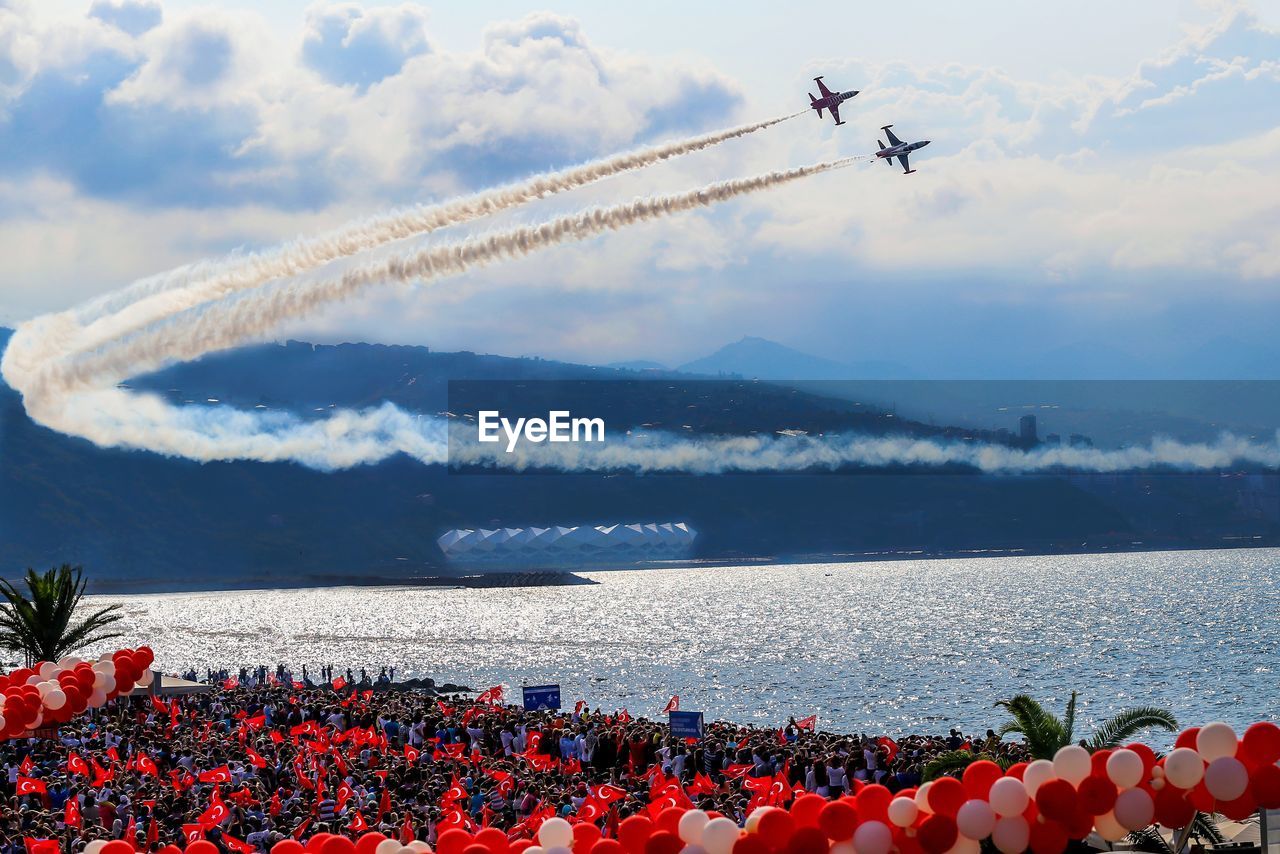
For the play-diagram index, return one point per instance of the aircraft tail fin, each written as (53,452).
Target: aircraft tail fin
(881,144)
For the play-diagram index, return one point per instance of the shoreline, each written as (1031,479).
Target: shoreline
(573,577)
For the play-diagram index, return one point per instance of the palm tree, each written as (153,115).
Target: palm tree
(39,622)
(1046,734)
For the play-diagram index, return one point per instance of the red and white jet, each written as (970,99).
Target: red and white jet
(899,149)
(829,100)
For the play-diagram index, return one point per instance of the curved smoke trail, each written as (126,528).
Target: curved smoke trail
(155,297)
(253,315)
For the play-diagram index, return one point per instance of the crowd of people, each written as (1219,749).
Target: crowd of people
(262,758)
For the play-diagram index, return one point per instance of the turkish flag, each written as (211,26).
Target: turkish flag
(339,684)
(492,696)
(41,846)
(384,805)
(76,765)
(411,753)
(701,785)
(72,817)
(358,824)
(30,786)
(146,765)
(673,705)
(579,706)
(890,747)
(735,771)
(27,766)
(192,832)
(301,829)
(216,775)
(254,759)
(608,793)
(808,723)
(237,844)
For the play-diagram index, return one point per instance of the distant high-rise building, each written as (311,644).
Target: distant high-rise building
(1078,441)
(1053,439)
(1027,429)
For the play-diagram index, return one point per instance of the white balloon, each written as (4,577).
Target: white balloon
(1011,834)
(1108,828)
(149,676)
(55,699)
(872,837)
(536,849)
(1125,768)
(1008,796)
(922,798)
(693,849)
(1037,774)
(3,723)
(691,824)
(419,846)
(68,662)
(35,679)
(719,835)
(559,849)
(38,721)
(1183,767)
(1216,740)
(48,670)
(97,699)
(975,819)
(843,848)
(106,665)
(1134,809)
(903,811)
(1226,778)
(388,846)
(106,656)
(753,821)
(1072,763)
(95,846)
(45,687)
(555,833)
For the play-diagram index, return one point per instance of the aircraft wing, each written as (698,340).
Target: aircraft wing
(822,87)
(835,113)
(906,165)
(893,140)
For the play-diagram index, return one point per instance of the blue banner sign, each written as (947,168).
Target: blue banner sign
(538,697)
(686,724)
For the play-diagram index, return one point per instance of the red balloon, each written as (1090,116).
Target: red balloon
(492,838)
(518,845)
(607,846)
(633,832)
(945,797)
(808,840)
(663,842)
(669,820)
(806,809)
(336,845)
(1187,738)
(117,846)
(475,848)
(1080,826)
(1016,770)
(978,778)
(452,841)
(201,846)
(1201,799)
(775,828)
(1172,807)
(872,802)
(838,820)
(371,840)
(750,844)
(1264,785)
(1148,757)
(1057,800)
(585,836)
(1048,837)
(938,833)
(1097,795)
(1261,744)
(1239,809)
(1098,762)
(315,842)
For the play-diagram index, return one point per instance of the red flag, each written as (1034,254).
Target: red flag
(215,815)
(673,705)
(808,723)
(579,706)
(444,710)
(231,684)
(782,737)
(276,806)
(701,785)
(624,717)
(301,829)
(76,765)
(890,747)
(146,765)
(411,753)
(608,793)
(71,817)
(358,824)
(491,696)
(735,771)
(101,775)
(27,766)
(113,754)
(41,846)
(966,745)
(153,833)
(237,844)
(192,832)
(131,830)
(339,684)
(30,786)
(384,805)
(254,758)
(215,775)
(407,833)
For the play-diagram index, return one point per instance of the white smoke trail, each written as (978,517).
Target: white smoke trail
(150,299)
(253,315)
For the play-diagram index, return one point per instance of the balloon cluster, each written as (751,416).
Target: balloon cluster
(50,694)
(1038,806)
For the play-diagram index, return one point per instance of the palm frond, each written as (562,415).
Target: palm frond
(1149,839)
(40,621)
(1124,725)
(1069,719)
(952,761)
(1204,828)
(1044,733)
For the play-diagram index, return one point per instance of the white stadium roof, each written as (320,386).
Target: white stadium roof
(639,541)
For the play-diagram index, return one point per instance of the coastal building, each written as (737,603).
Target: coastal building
(1027,429)
(581,546)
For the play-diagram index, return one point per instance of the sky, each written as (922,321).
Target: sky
(1101,196)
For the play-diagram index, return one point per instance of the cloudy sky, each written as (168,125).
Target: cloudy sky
(1102,195)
